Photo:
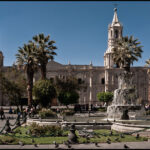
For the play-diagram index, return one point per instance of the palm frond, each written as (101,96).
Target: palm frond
(127,51)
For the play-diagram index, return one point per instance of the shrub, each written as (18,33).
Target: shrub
(36,129)
(47,113)
(48,130)
(102,109)
(148,112)
(17,130)
(68,112)
(9,140)
(95,109)
(105,96)
(68,97)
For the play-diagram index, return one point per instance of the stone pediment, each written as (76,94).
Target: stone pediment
(52,65)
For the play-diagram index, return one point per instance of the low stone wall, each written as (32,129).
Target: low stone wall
(30,121)
(128,127)
(65,125)
(94,127)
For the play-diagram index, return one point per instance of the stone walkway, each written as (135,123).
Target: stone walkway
(3,121)
(131,145)
(143,134)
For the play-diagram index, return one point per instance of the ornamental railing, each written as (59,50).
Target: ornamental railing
(8,127)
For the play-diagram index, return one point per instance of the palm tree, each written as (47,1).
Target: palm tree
(45,51)
(148,65)
(126,52)
(27,61)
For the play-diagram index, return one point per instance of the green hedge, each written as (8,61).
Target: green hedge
(148,112)
(68,112)
(46,130)
(102,109)
(9,140)
(47,113)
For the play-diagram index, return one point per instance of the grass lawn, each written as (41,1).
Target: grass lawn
(100,136)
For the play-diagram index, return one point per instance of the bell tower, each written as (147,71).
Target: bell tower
(114,33)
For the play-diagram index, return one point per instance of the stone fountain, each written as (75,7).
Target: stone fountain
(125,100)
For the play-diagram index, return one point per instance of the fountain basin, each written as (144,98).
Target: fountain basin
(129,128)
(79,125)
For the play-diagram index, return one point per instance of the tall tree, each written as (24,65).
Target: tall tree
(67,89)
(15,75)
(45,51)
(26,60)
(68,97)
(67,84)
(126,52)
(17,84)
(44,92)
(13,91)
(148,65)
(105,97)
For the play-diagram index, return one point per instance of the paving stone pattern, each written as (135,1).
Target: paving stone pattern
(131,145)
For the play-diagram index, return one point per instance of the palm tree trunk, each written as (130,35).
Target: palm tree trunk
(43,71)
(29,93)
(127,67)
(29,87)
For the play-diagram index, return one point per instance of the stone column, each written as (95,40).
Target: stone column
(106,80)
(149,88)
(90,97)
(84,100)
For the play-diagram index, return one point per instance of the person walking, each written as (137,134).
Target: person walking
(10,110)
(2,113)
(31,112)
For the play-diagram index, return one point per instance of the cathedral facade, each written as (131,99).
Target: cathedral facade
(97,78)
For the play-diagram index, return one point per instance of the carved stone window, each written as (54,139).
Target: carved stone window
(116,34)
(79,80)
(116,66)
(103,81)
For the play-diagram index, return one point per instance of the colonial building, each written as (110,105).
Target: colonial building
(98,78)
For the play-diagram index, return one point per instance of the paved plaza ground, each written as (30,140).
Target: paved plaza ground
(3,121)
(131,145)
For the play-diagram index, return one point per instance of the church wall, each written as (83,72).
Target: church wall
(97,74)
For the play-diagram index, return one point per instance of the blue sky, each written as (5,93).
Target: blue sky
(79,28)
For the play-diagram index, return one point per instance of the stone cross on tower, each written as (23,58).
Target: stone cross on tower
(115,5)
(114,33)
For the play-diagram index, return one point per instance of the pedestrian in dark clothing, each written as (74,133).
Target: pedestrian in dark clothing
(10,110)
(18,110)
(2,113)
(87,107)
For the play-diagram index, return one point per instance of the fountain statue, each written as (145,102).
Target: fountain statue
(72,137)
(125,100)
